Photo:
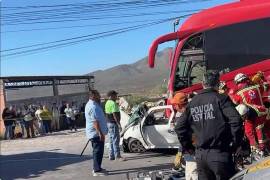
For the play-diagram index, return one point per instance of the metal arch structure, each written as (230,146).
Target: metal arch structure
(17,82)
(31,81)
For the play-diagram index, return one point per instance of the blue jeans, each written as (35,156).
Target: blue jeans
(47,126)
(114,140)
(22,126)
(42,127)
(8,132)
(29,126)
(98,151)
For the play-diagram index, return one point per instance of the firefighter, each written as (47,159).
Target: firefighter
(247,114)
(264,83)
(246,150)
(217,128)
(250,95)
(240,84)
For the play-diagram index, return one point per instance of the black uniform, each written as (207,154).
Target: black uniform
(217,127)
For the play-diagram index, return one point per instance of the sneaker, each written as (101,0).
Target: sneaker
(120,158)
(177,170)
(102,172)
(111,158)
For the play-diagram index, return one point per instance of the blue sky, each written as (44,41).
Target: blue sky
(89,56)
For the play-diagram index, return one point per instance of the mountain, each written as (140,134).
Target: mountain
(136,77)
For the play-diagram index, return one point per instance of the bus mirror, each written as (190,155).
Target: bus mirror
(154,46)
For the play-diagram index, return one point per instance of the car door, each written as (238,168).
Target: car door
(156,128)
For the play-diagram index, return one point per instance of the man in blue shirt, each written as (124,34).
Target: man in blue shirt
(96,129)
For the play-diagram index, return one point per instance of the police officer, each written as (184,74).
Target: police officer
(217,128)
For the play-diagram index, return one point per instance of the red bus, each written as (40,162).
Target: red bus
(232,38)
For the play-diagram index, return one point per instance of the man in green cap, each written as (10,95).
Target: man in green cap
(113,117)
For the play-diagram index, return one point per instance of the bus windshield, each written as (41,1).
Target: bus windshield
(191,64)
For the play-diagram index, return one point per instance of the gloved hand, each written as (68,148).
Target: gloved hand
(178,160)
(254,148)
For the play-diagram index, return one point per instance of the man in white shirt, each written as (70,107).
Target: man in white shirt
(39,120)
(70,117)
(55,117)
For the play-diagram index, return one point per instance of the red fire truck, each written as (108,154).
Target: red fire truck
(232,38)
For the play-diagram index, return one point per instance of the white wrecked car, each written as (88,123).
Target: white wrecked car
(149,129)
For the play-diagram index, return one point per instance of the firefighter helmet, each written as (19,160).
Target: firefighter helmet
(240,77)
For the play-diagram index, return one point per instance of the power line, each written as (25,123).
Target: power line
(97,36)
(87,9)
(101,17)
(99,4)
(33,51)
(73,38)
(99,10)
(56,5)
(80,39)
(79,26)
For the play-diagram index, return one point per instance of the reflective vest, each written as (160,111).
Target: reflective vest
(252,96)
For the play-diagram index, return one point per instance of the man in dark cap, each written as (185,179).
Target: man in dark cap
(113,116)
(217,127)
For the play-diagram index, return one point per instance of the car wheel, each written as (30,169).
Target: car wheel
(135,146)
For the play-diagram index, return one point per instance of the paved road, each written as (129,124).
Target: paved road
(57,156)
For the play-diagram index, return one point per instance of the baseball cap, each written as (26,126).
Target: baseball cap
(179,98)
(112,92)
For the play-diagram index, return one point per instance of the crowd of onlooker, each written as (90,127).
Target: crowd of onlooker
(29,121)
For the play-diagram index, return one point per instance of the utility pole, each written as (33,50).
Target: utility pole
(175,23)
